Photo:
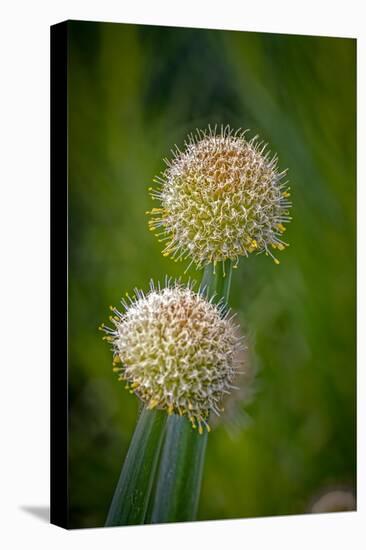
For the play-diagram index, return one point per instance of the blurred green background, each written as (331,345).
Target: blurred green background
(135,91)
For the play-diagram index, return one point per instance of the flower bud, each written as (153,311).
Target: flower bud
(222,197)
(176,351)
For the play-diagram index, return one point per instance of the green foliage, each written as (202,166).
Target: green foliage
(179,477)
(216,281)
(135,91)
(131,497)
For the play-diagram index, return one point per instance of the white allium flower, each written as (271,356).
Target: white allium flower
(222,197)
(176,350)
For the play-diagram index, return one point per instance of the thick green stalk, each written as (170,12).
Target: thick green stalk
(217,281)
(178,482)
(180,472)
(223,280)
(133,490)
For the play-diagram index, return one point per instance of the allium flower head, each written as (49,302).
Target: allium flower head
(222,197)
(176,350)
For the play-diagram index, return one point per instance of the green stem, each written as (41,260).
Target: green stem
(133,490)
(217,281)
(223,280)
(178,482)
(180,472)
(208,282)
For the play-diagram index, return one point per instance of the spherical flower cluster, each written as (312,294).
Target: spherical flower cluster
(222,197)
(176,350)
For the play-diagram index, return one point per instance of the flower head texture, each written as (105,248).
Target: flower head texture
(176,351)
(222,197)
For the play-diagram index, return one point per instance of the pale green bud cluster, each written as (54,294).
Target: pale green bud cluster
(176,350)
(222,197)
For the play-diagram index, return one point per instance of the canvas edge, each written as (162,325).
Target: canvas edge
(59,500)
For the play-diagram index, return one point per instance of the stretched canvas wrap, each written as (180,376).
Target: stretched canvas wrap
(203,274)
